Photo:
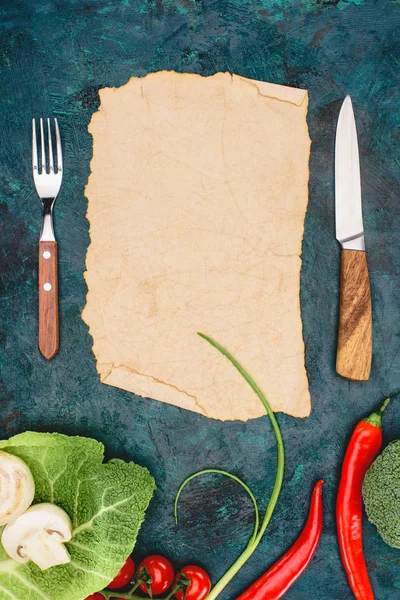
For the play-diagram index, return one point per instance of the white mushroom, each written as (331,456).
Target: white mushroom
(39,535)
(17,487)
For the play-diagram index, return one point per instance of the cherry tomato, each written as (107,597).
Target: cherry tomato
(124,576)
(159,572)
(96,596)
(200,583)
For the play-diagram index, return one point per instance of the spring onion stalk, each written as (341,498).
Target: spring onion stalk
(220,472)
(251,547)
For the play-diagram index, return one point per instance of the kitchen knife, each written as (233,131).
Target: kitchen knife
(354,351)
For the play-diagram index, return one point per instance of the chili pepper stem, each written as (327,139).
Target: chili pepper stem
(376,417)
(384,405)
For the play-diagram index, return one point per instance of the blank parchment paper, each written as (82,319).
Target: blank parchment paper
(197,197)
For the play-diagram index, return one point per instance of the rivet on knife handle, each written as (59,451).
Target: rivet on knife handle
(354,352)
(48,300)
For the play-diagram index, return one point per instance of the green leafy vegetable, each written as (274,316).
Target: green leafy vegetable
(381,493)
(105,501)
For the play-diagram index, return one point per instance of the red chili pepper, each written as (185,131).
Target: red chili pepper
(362,450)
(282,575)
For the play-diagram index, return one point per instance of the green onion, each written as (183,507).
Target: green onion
(220,472)
(258,534)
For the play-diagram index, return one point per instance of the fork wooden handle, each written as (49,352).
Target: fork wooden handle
(48,300)
(354,352)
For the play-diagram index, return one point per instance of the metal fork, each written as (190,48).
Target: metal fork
(47,182)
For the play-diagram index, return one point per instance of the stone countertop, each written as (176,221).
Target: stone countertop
(54,56)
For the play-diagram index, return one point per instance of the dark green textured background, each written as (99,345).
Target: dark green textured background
(53,58)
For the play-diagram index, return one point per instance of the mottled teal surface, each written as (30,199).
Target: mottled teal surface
(53,58)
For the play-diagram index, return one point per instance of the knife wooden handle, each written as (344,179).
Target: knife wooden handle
(354,351)
(48,300)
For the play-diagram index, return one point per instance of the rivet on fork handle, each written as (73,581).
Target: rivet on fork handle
(48,300)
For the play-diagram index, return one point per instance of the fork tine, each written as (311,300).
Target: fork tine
(34,148)
(59,150)
(42,148)
(50,147)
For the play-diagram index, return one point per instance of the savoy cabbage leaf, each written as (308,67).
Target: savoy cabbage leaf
(105,501)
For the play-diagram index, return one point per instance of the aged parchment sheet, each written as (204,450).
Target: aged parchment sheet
(197,197)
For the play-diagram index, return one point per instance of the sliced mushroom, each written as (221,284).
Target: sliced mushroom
(39,535)
(17,487)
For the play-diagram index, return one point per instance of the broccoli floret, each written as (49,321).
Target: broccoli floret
(381,493)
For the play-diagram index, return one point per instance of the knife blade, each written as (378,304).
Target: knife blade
(354,350)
